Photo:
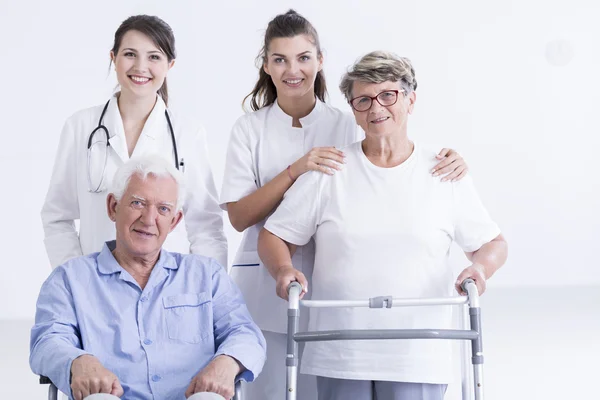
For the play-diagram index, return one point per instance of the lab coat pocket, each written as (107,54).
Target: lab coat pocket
(188,316)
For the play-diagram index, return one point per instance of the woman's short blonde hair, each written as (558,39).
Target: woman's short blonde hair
(379,67)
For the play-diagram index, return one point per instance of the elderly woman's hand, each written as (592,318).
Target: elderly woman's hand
(287,275)
(475,272)
(324,159)
(451,164)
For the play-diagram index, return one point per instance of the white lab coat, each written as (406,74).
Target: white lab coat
(69,199)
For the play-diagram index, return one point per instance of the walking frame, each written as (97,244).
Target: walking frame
(472,379)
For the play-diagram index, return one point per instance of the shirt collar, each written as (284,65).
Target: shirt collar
(306,121)
(107,264)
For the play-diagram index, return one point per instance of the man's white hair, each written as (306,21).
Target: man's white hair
(143,166)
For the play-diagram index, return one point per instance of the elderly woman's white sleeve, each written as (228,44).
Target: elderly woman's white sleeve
(202,215)
(239,179)
(297,217)
(473,226)
(61,206)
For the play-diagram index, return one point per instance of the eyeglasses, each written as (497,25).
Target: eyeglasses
(386,99)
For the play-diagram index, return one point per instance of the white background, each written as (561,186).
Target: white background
(512,84)
(487,87)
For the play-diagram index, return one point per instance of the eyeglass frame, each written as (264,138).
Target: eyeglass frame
(376,98)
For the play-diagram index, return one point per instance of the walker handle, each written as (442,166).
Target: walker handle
(464,284)
(294,284)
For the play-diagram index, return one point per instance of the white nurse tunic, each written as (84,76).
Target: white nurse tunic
(263,144)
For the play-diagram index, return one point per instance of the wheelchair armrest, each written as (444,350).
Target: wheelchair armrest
(52,390)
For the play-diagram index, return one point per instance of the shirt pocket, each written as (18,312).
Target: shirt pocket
(188,316)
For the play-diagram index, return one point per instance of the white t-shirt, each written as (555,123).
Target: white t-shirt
(382,231)
(262,145)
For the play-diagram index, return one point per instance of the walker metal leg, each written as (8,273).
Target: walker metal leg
(477,352)
(292,378)
(467,371)
(291,361)
(478,372)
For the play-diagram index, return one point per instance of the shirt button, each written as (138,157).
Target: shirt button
(143,299)
(147,341)
(155,378)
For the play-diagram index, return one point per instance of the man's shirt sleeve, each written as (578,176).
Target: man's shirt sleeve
(55,339)
(236,334)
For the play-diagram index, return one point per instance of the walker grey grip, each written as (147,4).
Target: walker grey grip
(292,345)
(464,284)
(294,284)
(381,301)
(476,345)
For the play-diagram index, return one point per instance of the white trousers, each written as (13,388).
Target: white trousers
(270,384)
(344,389)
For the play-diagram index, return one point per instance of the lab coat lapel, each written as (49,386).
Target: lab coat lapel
(114,123)
(153,131)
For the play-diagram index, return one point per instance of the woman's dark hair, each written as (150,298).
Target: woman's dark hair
(285,25)
(158,31)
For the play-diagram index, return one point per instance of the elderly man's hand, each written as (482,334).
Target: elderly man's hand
(217,377)
(475,272)
(88,376)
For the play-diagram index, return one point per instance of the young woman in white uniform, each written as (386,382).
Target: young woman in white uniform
(135,121)
(291,131)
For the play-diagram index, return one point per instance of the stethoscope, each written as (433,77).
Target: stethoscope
(100,126)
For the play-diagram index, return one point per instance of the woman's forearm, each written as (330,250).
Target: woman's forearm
(276,256)
(491,255)
(256,206)
(274,252)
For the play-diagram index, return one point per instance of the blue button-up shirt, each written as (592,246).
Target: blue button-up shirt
(156,339)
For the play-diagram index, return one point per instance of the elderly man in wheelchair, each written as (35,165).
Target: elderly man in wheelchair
(135,321)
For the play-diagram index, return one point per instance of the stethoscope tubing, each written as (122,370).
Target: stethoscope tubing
(107,134)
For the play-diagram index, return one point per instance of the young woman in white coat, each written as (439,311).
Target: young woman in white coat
(291,131)
(135,121)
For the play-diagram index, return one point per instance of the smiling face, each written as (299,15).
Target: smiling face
(381,120)
(293,64)
(140,65)
(145,215)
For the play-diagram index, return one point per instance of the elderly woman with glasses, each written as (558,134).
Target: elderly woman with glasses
(382,226)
